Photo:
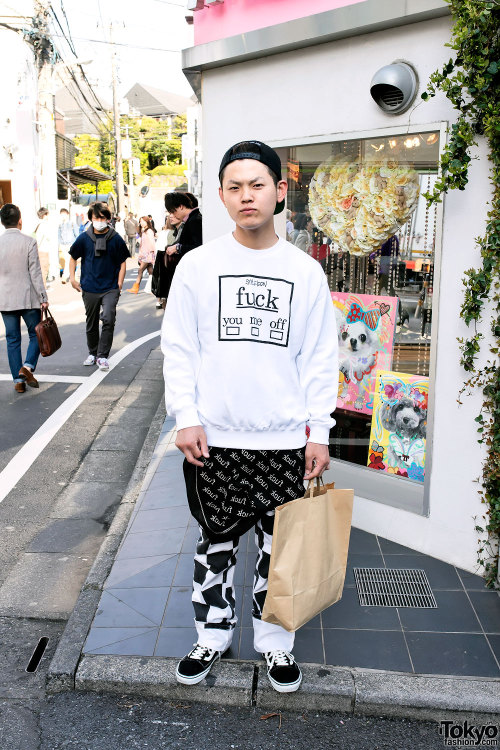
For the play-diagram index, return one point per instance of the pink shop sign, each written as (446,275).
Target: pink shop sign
(231,17)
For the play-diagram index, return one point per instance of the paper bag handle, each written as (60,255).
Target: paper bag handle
(314,483)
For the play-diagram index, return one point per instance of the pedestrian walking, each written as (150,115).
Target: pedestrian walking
(162,271)
(43,237)
(131,229)
(251,360)
(67,234)
(103,255)
(302,236)
(22,295)
(180,206)
(147,250)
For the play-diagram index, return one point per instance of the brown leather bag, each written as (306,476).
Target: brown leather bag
(47,333)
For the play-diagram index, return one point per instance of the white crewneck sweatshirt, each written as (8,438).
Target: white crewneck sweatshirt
(250,345)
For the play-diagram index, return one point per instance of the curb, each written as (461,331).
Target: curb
(327,689)
(62,669)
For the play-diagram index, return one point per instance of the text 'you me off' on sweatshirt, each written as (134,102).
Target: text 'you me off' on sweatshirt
(250,345)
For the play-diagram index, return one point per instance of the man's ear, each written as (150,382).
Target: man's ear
(221,196)
(281,188)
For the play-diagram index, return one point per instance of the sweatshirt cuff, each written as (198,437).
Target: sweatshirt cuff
(319,434)
(187,418)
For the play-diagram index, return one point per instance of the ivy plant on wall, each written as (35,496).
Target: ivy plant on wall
(471,81)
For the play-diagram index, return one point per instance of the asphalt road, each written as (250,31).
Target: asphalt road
(29,720)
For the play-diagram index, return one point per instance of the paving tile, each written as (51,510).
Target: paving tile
(308,646)
(172,478)
(160,518)
(139,645)
(142,572)
(100,638)
(113,613)
(247,650)
(363,543)
(166,465)
(494,641)
(184,571)
(454,614)
(179,612)
(190,539)
(246,612)
(250,568)
(149,602)
(465,654)
(440,574)
(371,649)
(348,613)
(471,581)
(175,642)
(161,498)
(487,606)
(361,561)
(391,548)
(150,543)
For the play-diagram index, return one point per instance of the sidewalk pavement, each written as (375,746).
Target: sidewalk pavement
(427,663)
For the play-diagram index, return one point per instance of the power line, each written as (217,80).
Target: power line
(120,44)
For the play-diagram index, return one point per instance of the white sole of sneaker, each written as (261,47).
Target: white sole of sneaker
(290,688)
(192,680)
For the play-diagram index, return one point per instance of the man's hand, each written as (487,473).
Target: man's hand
(192,441)
(75,285)
(317,460)
(171,250)
(44,305)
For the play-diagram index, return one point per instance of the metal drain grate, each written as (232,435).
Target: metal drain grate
(393,587)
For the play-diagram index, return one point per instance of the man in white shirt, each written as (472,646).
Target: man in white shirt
(251,361)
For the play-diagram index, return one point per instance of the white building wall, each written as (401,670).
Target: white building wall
(18,133)
(325,90)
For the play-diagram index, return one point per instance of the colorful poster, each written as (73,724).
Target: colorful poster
(365,325)
(399,422)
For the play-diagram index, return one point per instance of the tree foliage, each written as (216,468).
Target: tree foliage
(471,81)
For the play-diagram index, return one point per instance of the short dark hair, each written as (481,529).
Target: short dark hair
(42,212)
(10,215)
(174,201)
(243,148)
(99,211)
(64,211)
(193,199)
(301,221)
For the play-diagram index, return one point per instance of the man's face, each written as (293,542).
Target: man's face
(64,216)
(249,193)
(180,213)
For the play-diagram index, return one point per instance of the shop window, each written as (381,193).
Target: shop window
(357,207)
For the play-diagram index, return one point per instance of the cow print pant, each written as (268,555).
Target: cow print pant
(214,562)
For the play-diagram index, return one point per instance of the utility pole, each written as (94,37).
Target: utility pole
(46,58)
(117,130)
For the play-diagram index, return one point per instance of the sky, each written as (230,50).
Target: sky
(142,31)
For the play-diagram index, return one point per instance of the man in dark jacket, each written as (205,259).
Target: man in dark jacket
(180,206)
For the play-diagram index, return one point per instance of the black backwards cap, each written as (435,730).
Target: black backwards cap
(259,151)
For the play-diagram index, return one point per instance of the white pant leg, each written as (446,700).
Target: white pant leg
(266,636)
(213,592)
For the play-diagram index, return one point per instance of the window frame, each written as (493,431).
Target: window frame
(367,483)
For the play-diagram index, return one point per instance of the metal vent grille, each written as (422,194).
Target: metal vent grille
(390,96)
(393,587)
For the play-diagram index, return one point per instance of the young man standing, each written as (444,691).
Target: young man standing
(250,360)
(179,205)
(103,256)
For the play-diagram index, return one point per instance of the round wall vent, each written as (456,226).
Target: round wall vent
(394,87)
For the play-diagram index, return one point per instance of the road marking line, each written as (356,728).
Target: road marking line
(53,378)
(27,455)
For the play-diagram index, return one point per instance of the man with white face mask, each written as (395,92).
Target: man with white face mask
(103,256)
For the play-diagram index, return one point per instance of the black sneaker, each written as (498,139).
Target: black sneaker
(196,665)
(284,674)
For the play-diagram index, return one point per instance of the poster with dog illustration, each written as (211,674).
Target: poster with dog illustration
(399,422)
(365,326)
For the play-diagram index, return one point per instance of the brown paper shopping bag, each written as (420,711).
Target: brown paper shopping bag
(308,555)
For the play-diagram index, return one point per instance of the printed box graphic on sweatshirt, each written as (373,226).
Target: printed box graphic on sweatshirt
(255,308)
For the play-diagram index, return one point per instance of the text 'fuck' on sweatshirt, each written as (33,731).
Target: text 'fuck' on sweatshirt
(250,345)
